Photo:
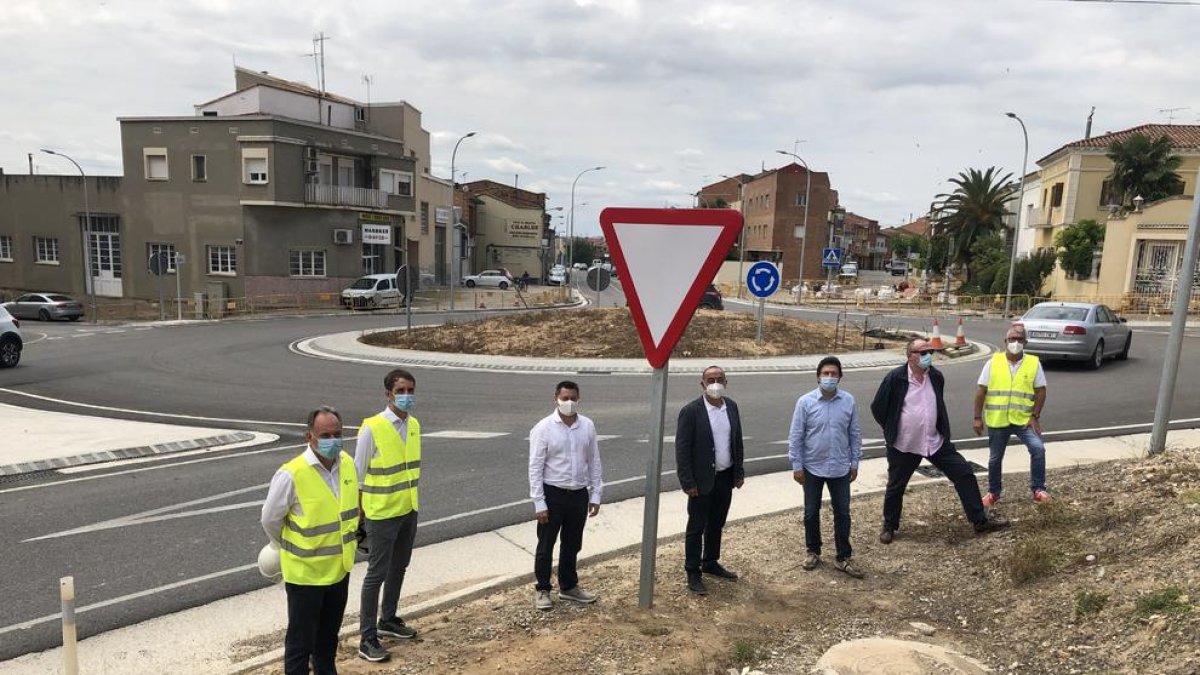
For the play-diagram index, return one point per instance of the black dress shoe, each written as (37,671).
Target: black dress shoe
(696,584)
(886,536)
(992,524)
(717,570)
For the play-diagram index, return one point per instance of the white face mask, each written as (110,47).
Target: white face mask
(1015,348)
(715,391)
(568,407)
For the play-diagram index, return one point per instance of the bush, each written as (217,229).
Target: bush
(1087,602)
(1077,244)
(1167,601)
(1034,558)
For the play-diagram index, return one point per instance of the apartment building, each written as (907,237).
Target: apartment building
(275,188)
(773,205)
(508,228)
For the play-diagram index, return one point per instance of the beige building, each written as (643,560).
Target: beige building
(507,228)
(1075,186)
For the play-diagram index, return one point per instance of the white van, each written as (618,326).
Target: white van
(371,291)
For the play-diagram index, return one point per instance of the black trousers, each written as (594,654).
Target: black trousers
(706,520)
(901,466)
(314,618)
(568,514)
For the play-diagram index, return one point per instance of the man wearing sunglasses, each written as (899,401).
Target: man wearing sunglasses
(911,408)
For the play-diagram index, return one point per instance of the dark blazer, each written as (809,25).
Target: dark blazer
(695,451)
(889,402)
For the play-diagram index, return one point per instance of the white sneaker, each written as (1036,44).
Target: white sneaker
(579,595)
(541,600)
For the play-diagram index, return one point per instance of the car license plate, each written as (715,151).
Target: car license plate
(1043,335)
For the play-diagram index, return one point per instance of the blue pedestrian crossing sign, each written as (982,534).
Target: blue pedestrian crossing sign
(831,257)
(763,279)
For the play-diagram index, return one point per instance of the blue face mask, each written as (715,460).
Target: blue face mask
(829,384)
(926,361)
(329,448)
(404,402)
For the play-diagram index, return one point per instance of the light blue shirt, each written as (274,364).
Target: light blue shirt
(825,438)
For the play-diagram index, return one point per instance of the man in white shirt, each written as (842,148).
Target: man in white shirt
(565,486)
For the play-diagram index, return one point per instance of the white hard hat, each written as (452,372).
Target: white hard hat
(268,563)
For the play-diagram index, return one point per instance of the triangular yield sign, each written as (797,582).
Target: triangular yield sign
(665,259)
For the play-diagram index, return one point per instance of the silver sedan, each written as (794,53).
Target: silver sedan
(44,306)
(1076,331)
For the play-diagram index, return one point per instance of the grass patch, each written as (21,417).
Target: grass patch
(745,653)
(1054,515)
(1087,602)
(1190,496)
(1167,601)
(1034,558)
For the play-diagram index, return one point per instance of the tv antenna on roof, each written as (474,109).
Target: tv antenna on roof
(1170,112)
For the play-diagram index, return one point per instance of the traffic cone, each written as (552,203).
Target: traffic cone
(960,339)
(936,341)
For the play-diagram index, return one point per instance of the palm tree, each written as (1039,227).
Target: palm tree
(974,209)
(1144,167)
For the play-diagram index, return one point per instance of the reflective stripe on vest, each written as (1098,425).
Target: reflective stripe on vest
(389,489)
(1010,397)
(317,547)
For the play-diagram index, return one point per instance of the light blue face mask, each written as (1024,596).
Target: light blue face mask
(829,384)
(404,402)
(329,448)
(926,361)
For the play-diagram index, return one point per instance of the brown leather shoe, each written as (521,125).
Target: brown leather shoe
(886,536)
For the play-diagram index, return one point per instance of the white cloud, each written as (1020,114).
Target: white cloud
(891,97)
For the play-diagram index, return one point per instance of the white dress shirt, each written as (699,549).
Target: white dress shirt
(566,457)
(281,496)
(364,448)
(718,419)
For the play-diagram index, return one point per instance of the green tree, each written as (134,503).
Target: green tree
(974,209)
(902,244)
(1144,167)
(1077,244)
(584,251)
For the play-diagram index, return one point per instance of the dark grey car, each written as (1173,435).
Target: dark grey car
(45,306)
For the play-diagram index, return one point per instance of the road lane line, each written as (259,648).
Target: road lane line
(92,406)
(466,435)
(24,625)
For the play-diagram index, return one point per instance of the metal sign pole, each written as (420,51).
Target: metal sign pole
(762,309)
(1166,386)
(178,287)
(658,406)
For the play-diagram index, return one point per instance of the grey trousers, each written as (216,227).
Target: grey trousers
(390,544)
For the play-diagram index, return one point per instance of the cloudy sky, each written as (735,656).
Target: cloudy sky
(890,97)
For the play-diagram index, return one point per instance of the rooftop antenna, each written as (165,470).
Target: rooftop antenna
(318,56)
(1170,112)
(1087,133)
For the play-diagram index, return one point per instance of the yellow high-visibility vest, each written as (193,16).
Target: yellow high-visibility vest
(1010,397)
(318,546)
(389,489)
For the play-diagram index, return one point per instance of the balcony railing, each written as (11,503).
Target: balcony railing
(338,195)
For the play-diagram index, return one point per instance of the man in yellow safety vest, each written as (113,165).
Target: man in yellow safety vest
(388,458)
(311,514)
(1009,400)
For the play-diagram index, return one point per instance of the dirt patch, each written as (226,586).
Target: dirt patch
(1102,580)
(609,333)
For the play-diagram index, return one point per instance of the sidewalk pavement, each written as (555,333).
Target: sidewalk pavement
(36,440)
(241,633)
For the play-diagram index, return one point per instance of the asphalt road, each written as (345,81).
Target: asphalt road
(180,532)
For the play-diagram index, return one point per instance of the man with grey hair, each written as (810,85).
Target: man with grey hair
(310,515)
(1009,399)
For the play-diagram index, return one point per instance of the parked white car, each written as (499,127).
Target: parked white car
(11,342)
(372,291)
(495,278)
(557,276)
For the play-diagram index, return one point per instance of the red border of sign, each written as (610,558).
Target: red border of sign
(731,223)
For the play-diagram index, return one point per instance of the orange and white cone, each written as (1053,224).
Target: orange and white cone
(960,338)
(936,341)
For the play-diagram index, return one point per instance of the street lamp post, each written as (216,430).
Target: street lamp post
(741,281)
(807,186)
(571,223)
(456,263)
(1012,258)
(89,284)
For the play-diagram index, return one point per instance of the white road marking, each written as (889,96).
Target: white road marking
(466,435)
(606,437)
(225,420)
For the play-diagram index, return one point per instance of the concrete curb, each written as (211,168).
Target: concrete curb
(125,453)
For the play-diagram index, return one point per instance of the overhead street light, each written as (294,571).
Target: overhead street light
(571,220)
(741,181)
(1012,258)
(807,187)
(89,282)
(456,263)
